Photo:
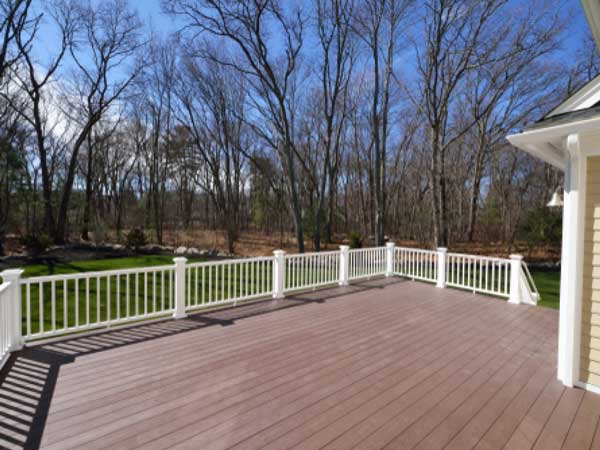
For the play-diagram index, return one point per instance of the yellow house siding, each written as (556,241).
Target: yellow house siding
(590,315)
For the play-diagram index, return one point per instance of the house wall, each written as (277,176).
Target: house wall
(590,317)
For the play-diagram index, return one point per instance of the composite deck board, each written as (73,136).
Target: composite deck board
(380,364)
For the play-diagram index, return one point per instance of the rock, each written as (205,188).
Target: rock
(180,250)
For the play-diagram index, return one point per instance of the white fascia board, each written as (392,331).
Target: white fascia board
(586,97)
(591,8)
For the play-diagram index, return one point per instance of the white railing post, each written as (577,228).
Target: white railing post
(13,277)
(344,265)
(278,273)
(179,312)
(515,279)
(442,253)
(389,259)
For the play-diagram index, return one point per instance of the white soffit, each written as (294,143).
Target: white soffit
(547,143)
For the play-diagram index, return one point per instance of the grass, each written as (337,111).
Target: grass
(548,284)
(36,270)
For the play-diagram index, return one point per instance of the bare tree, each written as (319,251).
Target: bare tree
(212,106)
(246,26)
(378,24)
(14,19)
(511,88)
(35,83)
(334,28)
(107,37)
(457,40)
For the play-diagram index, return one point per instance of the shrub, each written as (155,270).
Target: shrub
(541,226)
(136,238)
(354,239)
(36,243)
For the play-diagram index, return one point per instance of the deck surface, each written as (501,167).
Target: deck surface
(388,364)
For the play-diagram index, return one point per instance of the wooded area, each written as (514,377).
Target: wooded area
(331,119)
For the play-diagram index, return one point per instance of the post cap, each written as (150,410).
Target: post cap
(442,249)
(344,247)
(278,252)
(390,244)
(516,257)
(180,259)
(11,274)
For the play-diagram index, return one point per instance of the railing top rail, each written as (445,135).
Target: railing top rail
(416,250)
(229,261)
(488,258)
(305,255)
(100,273)
(365,249)
(529,277)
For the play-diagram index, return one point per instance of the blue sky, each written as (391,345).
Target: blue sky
(150,12)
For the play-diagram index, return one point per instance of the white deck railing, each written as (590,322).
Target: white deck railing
(311,270)
(56,305)
(367,262)
(229,281)
(416,264)
(479,274)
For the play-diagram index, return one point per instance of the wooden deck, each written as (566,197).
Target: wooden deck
(386,364)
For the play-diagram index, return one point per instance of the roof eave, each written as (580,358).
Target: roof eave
(541,142)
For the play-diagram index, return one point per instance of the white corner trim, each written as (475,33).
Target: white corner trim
(569,332)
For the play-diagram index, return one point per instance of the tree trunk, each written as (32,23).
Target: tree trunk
(438,192)
(88,193)
(474,200)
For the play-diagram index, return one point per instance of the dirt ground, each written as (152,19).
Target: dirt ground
(257,244)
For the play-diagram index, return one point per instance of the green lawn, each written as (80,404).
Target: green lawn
(548,284)
(36,270)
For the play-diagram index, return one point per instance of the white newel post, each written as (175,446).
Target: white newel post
(344,264)
(515,279)
(278,273)
(442,253)
(179,312)
(13,276)
(389,260)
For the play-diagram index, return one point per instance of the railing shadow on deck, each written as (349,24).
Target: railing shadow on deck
(28,379)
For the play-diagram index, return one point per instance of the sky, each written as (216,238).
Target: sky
(150,12)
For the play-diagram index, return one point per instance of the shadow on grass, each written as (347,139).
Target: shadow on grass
(28,379)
